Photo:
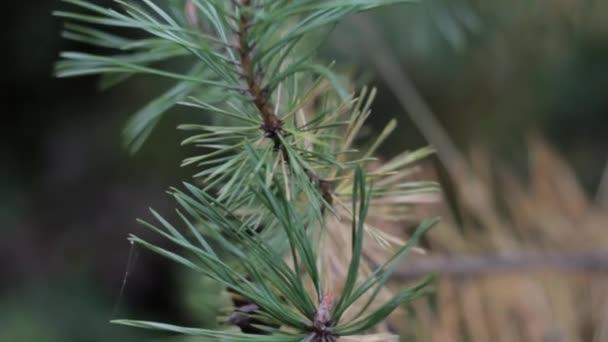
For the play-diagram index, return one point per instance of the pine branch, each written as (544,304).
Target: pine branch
(268,174)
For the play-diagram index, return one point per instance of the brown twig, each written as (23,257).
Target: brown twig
(468,266)
(252,75)
(273,125)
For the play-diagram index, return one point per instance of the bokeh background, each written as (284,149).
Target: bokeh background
(519,87)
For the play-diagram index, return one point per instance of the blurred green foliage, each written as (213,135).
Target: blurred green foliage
(59,312)
(494,72)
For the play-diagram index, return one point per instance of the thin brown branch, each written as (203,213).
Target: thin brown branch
(468,266)
(272,123)
(252,75)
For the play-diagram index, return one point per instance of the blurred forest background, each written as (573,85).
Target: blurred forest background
(519,86)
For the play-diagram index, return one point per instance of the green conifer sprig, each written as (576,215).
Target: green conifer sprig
(275,160)
(278,290)
(232,47)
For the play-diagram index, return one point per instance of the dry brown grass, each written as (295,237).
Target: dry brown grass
(536,258)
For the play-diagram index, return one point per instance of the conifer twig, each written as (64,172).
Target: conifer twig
(248,224)
(273,125)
